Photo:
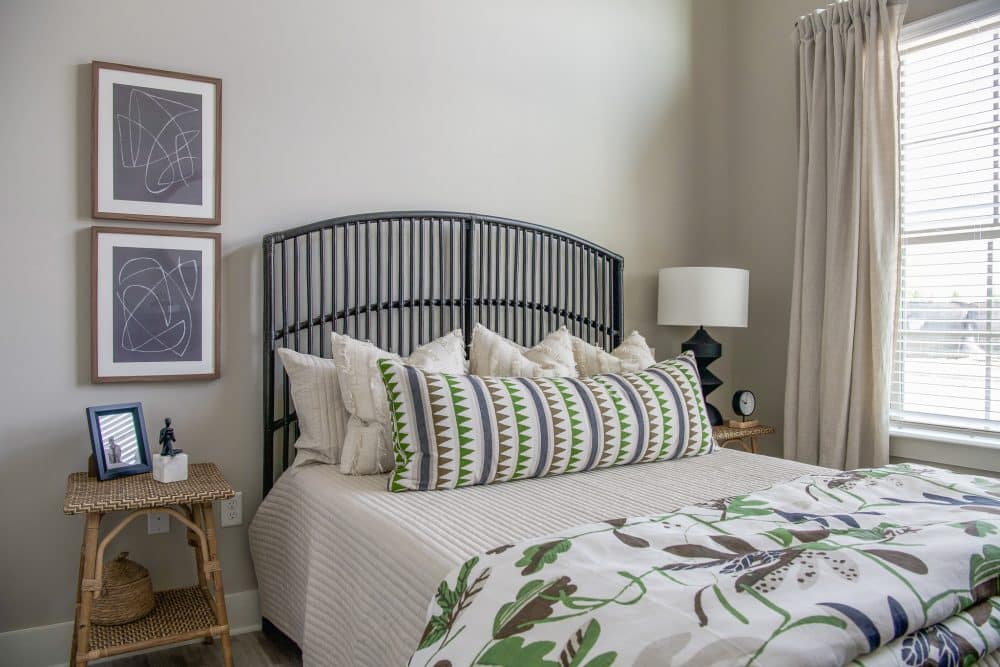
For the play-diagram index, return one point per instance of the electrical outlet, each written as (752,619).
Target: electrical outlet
(232,510)
(157,522)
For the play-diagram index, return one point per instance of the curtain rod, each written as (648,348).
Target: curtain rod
(820,10)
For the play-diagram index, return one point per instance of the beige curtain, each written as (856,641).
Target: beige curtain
(844,289)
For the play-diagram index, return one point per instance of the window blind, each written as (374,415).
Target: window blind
(946,370)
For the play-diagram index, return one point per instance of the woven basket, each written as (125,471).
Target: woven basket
(127,593)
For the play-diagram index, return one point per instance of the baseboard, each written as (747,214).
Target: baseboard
(48,645)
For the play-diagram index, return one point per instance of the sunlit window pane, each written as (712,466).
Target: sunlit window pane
(947,348)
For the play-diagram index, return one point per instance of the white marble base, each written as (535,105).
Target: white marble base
(170,468)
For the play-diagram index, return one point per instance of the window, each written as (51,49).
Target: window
(947,359)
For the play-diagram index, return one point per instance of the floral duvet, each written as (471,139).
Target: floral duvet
(890,566)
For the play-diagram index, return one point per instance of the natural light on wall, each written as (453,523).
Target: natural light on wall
(947,358)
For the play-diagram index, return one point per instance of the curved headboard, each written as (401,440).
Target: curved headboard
(401,279)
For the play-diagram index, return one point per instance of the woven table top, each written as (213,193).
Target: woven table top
(724,433)
(88,494)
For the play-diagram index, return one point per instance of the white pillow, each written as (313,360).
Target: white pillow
(632,355)
(492,355)
(319,406)
(367,448)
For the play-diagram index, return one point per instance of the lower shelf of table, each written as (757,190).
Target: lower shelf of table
(179,614)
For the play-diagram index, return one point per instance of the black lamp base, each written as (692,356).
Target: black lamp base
(706,350)
(714,416)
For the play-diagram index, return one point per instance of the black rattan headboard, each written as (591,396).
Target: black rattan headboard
(401,279)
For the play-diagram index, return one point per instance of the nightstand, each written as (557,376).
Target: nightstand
(179,615)
(746,438)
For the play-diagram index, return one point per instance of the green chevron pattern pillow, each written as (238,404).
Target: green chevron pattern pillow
(458,430)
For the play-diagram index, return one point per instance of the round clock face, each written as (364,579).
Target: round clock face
(744,402)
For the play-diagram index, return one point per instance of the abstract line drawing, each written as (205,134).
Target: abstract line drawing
(158,140)
(156,149)
(162,149)
(158,304)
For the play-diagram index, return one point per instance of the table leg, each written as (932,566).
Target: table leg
(753,444)
(195,512)
(220,596)
(76,609)
(198,518)
(85,592)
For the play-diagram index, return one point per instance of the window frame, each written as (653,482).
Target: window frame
(965,447)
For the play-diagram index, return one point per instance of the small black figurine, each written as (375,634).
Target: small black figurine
(167,439)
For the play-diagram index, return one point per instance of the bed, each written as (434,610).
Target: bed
(329,581)
(347,569)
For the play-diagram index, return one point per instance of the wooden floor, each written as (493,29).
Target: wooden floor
(253,649)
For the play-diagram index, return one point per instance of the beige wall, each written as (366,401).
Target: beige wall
(584,116)
(759,232)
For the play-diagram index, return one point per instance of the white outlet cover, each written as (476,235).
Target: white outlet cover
(157,523)
(231,510)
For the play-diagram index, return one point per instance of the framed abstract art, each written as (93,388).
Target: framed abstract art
(156,149)
(155,305)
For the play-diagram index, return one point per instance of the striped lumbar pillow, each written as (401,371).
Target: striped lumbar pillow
(458,430)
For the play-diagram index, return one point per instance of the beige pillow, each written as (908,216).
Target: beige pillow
(367,450)
(492,355)
(632,355)
(319,405)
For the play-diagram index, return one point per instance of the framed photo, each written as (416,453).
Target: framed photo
(155,305)
(156,150)
(118,438)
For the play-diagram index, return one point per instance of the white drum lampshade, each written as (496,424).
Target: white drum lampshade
(710,296)
(701,296)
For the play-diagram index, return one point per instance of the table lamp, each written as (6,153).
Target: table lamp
(704,296)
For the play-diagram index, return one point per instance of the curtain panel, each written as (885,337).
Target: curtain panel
(846,237)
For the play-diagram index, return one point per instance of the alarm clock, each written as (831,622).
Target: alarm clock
(744,404)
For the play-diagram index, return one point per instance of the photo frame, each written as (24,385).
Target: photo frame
(156,145)
(155,305)
(118,440)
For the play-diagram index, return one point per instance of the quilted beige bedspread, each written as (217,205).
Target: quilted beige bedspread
(346,568)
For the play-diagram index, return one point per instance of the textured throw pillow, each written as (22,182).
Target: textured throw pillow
(632,355)
(492,355)
(319,406)
(367,449)
(458,430)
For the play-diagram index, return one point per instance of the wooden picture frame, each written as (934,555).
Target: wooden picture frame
(130,454)
(156,145)
(156,309)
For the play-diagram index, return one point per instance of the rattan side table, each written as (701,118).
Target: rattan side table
(746,438)
(179,615)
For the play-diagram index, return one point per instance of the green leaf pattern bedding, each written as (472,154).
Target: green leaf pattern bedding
(890,566)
